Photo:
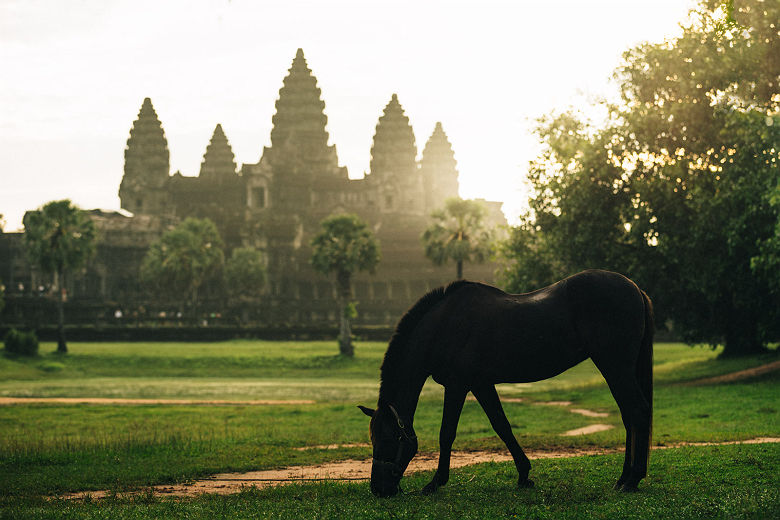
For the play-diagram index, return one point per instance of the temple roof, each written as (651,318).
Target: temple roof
(438,152)
(394,148)
(299,141)
(146,155)
(218,161)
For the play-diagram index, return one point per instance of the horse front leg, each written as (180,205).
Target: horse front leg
(453,405)
(488,398)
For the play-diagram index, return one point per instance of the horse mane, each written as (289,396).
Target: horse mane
(406,326)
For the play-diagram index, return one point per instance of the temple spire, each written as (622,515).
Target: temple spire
(218,162)
(299,140)
(394,162)
(394,151)
(438,168)
(146,164)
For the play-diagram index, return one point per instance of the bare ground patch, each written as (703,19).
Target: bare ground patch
(738,375)
(358,470)
(585,430)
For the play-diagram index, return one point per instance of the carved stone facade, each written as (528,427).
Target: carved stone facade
(276,205)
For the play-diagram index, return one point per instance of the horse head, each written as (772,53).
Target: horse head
(395,444)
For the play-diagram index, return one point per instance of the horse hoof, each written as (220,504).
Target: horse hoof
(429,489)
(629,488)
(527,483)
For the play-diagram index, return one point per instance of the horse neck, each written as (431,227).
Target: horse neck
(401,387)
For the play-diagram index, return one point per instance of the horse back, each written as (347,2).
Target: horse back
(482,333)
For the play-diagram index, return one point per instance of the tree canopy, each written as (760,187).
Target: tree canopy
(59,238)
(245,273)
(676,188)
(458,233)
(184,258)
(344,245)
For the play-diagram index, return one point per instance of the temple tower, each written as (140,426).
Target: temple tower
(394,170)
(142,190)
(299,161)
(299,141)
(219,163)
(438,170)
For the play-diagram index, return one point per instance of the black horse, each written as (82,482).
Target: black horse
(470,336)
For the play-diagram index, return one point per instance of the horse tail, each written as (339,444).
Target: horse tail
(644,366)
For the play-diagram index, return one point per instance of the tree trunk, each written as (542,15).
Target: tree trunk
(460,270)
(194,306)
(345,329)
(62,347)
(741,335)
(742,343)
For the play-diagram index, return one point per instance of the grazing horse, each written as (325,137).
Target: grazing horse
(470,337)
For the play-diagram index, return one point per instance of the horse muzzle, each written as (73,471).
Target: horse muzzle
(385,479)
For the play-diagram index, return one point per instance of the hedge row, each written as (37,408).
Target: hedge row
(195,334)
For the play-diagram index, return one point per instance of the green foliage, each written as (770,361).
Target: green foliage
(21,343)
(184,258)
(675,188)
(350,311)
(58,237)
(245,272)
(2,296)
(458,233)
(344,245)
(766,263)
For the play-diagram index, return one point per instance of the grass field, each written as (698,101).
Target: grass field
(47,449)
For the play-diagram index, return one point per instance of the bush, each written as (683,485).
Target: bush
(21,343)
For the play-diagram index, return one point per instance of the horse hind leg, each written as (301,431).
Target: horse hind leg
(637,418)
(488,398)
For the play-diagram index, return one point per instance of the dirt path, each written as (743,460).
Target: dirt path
(586,430)
(5,401)
(228,483)
(736,376)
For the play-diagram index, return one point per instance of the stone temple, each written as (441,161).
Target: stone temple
(276,205)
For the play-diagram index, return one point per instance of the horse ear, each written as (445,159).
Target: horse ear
(367,411)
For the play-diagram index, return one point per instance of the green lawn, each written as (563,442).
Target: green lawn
(698,483)
(47,449)
(244,369)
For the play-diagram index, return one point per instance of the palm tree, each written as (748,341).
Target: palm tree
(458,233)
(183,259)
(59,237)
(344,245)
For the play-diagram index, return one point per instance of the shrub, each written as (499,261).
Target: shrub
(21,343)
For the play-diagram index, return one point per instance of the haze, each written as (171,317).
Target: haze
(75,73)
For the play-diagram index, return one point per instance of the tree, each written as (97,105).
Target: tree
(59,238)
(766,263)
(183,259)
(458,233)
(675,188)
(245,275)
(344,245)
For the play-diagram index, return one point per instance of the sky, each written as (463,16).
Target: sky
(75,72)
